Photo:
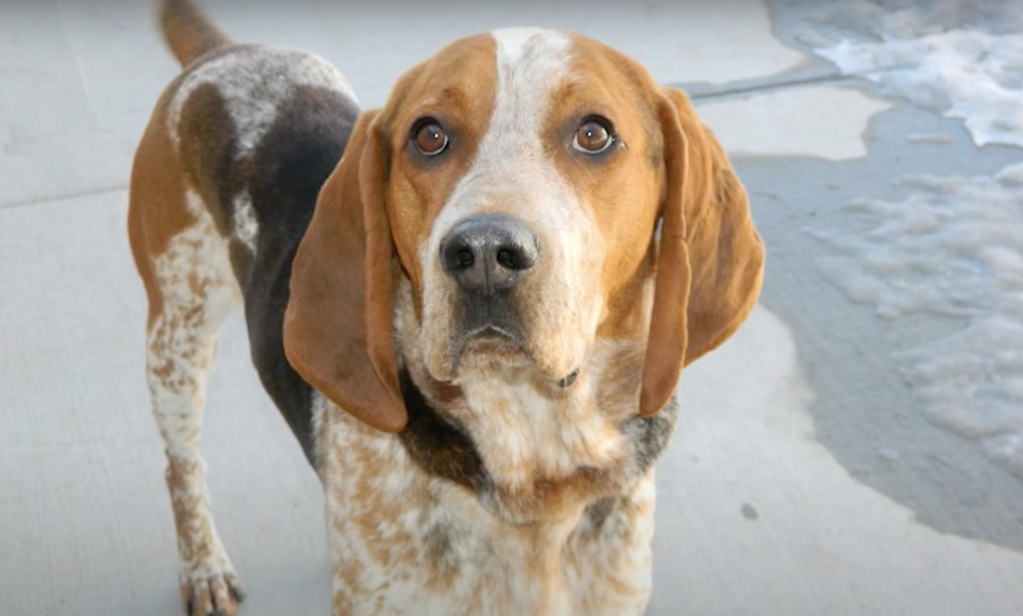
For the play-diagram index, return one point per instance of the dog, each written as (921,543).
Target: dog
(472,306)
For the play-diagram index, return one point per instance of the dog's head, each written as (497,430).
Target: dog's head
(522,197)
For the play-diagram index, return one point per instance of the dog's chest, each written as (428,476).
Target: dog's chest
(404,543)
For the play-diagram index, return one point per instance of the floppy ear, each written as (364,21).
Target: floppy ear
(710,259)
(338,329)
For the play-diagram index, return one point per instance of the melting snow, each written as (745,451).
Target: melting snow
(955,247)
(973,76)
(960,57)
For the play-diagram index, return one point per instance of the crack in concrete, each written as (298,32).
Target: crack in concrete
(89,192)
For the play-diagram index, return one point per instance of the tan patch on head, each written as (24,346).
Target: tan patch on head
(338,330)
(622,188)
(456,88)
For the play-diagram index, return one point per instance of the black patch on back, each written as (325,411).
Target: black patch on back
(283,176)
(209,148)
(289,166)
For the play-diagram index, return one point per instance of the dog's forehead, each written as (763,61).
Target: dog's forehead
(533,71)
(527,64)
(542,75)
(531,64)
(528,47)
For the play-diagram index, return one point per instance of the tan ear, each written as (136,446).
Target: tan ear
(710,259)
(338,331)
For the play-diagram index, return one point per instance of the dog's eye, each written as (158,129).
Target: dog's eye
(594,136)
(428,137)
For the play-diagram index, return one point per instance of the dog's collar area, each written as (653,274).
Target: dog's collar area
(568,380)
(443,449)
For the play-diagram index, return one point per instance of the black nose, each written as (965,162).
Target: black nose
(488,253)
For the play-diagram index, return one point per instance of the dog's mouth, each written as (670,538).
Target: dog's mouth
(491,343)
(498,346)
(493,337)
(503,340)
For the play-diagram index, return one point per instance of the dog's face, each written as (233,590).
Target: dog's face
(523,195)
(504,208)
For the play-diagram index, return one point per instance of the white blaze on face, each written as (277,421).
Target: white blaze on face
(531,63)
(513,174)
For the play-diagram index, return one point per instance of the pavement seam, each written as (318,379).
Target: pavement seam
(796,82)
(90,192)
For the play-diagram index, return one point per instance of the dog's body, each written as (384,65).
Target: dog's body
(475,298)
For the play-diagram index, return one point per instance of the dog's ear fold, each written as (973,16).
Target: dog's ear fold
(710,258)
(338,328)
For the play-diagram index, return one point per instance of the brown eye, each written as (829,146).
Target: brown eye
(593,136)
(429,137)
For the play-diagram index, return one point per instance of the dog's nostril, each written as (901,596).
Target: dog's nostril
(505,258)
(513,259)
(464,258)
(458,256)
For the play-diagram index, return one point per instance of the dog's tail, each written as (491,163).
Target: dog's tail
(188,31)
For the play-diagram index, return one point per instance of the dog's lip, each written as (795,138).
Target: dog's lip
(489,339)
(492,338)
(492,331)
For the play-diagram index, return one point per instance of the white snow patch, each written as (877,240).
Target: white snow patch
(960,57)
(954,248)
(970,75)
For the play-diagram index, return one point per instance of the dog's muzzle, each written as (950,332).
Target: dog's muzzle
(488,256)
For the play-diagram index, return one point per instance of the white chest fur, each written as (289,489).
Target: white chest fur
(403,542)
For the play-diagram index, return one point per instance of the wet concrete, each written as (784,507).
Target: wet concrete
(865,414)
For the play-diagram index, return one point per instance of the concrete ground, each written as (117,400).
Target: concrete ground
(801,481)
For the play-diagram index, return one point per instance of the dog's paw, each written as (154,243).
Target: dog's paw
(207,592)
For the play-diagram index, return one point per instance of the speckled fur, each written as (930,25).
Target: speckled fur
(198,288)
(539,541)
(404,542)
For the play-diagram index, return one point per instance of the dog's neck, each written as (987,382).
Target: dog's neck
(439,446)
(533,450)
